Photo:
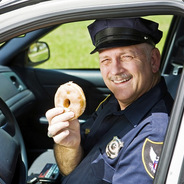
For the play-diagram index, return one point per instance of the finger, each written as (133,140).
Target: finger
(55,128)
(49,135)
(59,138)
(53,112)
(66,116)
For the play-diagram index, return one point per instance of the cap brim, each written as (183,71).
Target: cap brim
(115,44)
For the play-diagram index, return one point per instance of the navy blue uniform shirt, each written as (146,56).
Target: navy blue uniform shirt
(123,146)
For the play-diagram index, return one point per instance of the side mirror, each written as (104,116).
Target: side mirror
(38,53)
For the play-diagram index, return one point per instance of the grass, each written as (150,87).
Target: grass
(70,45)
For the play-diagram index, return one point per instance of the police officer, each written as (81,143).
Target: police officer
(122,141)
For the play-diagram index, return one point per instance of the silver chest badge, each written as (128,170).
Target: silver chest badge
(113,148)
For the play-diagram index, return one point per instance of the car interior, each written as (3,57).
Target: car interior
(27,92)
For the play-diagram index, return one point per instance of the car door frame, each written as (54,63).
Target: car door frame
(175,7)
(171,155)
(14,24)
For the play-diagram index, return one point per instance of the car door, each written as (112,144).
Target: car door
(44,82)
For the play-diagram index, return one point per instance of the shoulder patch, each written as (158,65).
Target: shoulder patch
(150,155)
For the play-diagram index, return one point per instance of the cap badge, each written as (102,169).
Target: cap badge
(113,148)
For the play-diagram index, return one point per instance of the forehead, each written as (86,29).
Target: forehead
(133,49)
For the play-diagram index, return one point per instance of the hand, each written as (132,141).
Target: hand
(64,132)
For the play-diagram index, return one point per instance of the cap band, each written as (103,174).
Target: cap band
(118,33)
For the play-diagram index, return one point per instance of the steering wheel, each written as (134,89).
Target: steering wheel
(13,159)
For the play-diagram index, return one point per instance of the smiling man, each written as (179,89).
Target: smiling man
(130,71)
(121,142)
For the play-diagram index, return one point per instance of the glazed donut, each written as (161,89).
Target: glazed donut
(71,97)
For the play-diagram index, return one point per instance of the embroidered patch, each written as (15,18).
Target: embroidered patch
(150,156)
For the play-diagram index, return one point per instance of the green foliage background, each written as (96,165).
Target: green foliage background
(70,44)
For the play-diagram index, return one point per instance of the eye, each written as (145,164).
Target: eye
(105,61)
(127,58)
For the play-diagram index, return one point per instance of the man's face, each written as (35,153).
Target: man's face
(129,71)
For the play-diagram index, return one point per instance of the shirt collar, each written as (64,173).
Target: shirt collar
(138,109)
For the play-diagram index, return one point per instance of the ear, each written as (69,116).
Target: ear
(155,60)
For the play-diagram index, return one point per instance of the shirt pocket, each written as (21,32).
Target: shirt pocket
(101,168)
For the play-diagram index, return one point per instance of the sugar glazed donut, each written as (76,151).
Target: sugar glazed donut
(71,97)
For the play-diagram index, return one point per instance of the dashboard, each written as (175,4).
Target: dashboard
(13,91)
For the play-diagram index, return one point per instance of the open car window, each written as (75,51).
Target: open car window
(70,44)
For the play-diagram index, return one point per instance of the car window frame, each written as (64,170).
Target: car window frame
(176,9)
(62,11)
(166,168)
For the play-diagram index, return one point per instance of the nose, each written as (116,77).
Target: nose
(116,67)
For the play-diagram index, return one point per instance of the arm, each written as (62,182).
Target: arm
(67,158)
(66,135)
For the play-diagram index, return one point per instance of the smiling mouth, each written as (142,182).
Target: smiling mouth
(121,81)
(121,78)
